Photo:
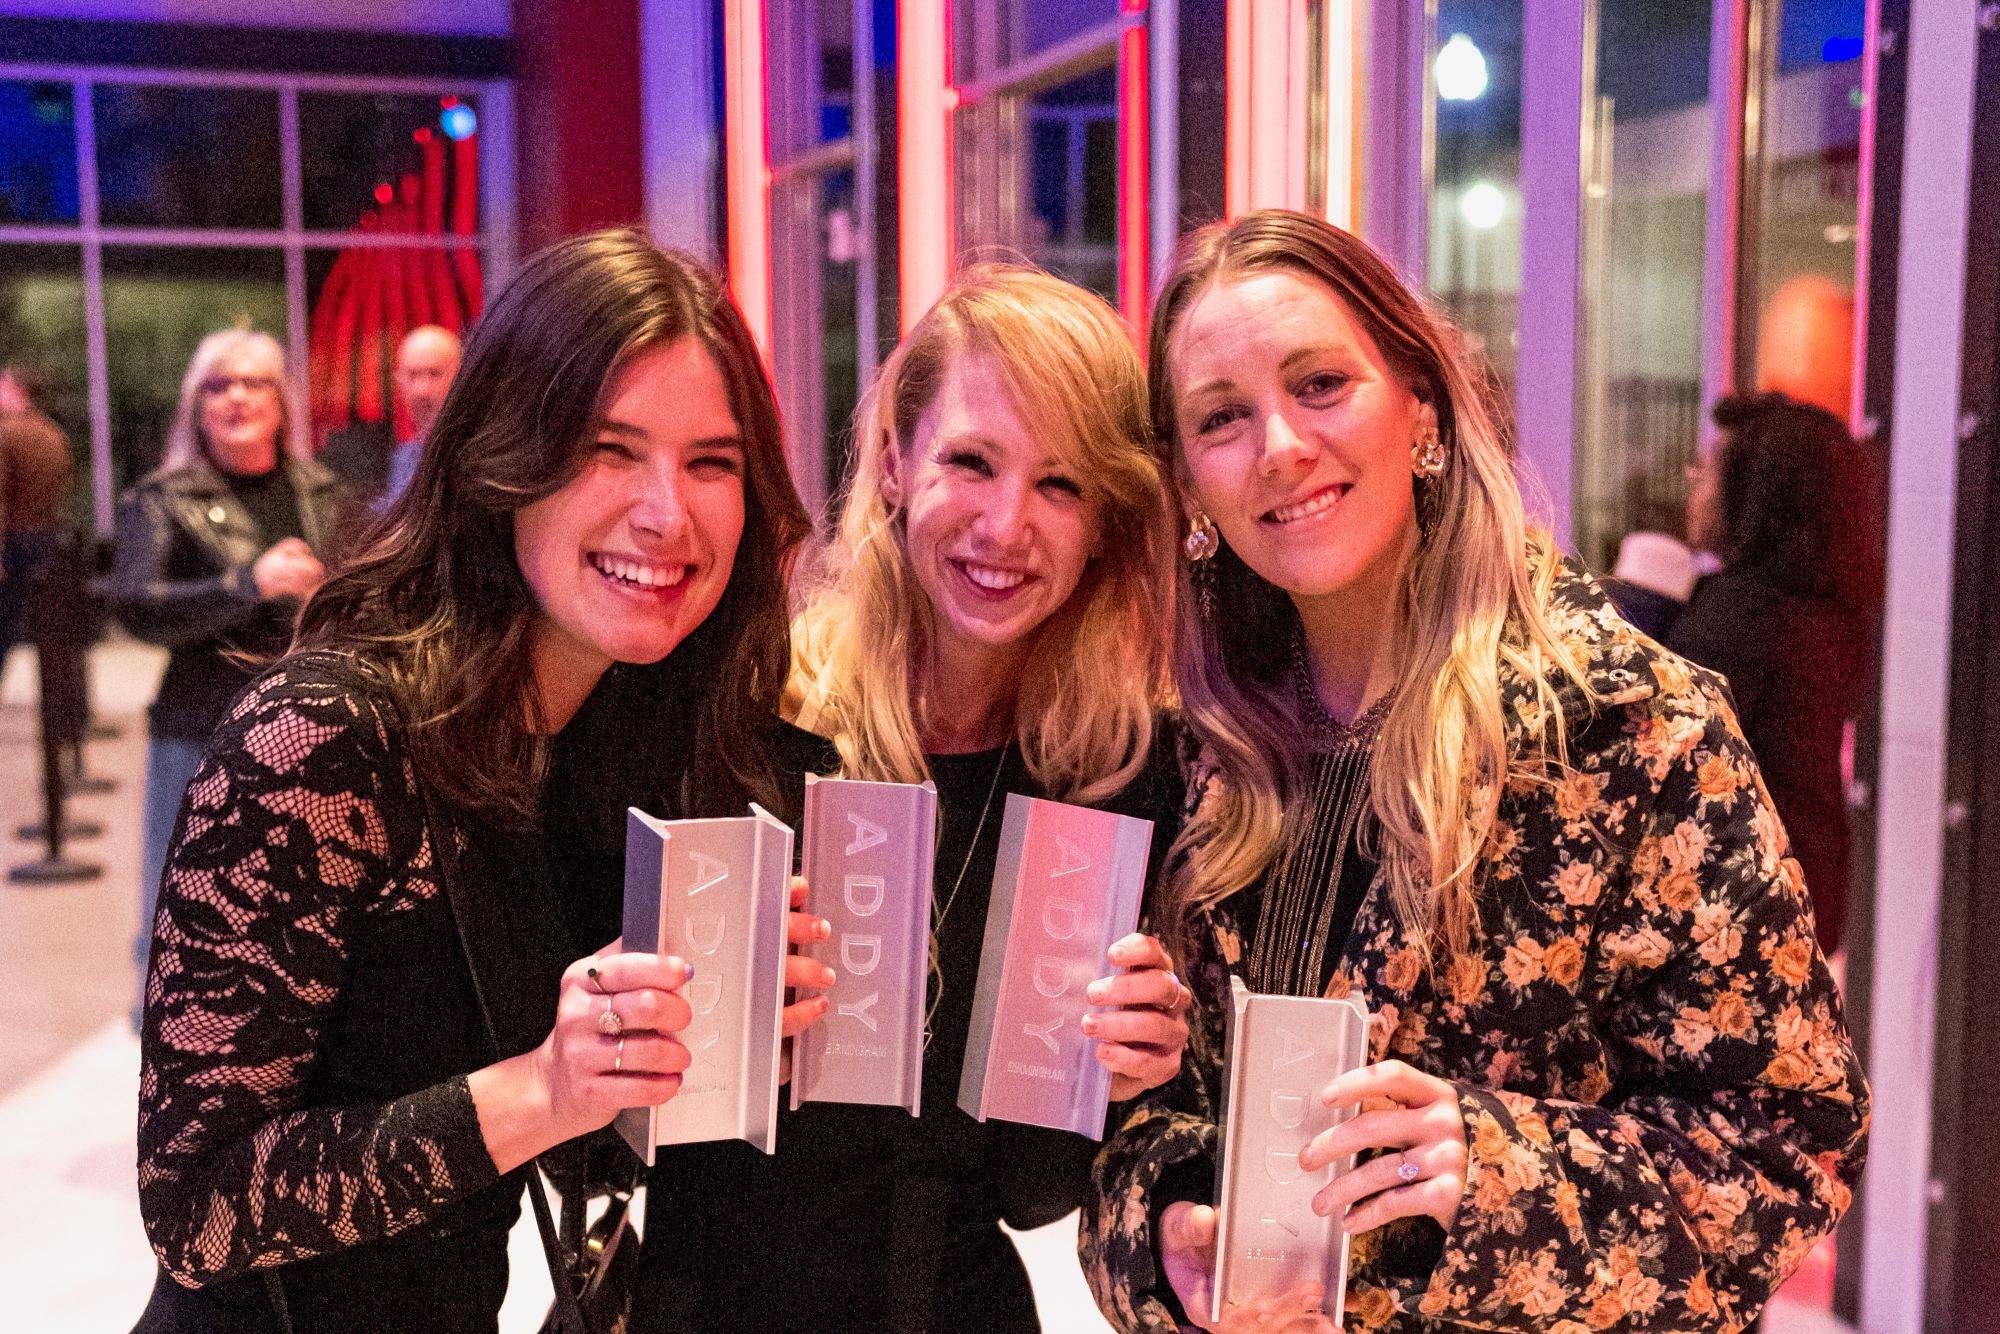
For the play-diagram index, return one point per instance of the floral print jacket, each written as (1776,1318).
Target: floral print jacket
(1662,1107)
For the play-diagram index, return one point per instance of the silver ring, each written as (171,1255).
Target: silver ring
(618,1057)
(609,1023)
(1407,1171)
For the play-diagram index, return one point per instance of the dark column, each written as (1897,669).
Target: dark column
(576,109)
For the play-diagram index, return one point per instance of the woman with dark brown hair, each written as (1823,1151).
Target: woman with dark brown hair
(1607,1081)
(372,1003)
(1791,503)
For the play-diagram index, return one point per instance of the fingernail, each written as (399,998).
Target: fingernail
(823,1002)
(1097,991)
(822,929)
(1089,1024)
(687,970)
(826,978)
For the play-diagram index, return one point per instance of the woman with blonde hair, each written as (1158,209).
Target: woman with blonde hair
(216,550)
(986,617)
(1609,1084)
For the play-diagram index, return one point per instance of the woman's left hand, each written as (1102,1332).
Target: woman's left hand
(1414,1115)
(1141,1038)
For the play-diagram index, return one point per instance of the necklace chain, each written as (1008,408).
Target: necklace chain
(1313,713)
(938,914)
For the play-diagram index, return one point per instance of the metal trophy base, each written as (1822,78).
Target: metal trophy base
(54,871)
(71,829)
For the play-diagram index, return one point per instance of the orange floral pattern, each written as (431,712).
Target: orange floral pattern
(1662,1107)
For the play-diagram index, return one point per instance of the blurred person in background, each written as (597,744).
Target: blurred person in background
(1790,504)
(35,475)
(375,471)
(216,551)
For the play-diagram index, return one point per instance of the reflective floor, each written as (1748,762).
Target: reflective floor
(72,1254)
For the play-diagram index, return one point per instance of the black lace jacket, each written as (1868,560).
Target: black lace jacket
(308,1014)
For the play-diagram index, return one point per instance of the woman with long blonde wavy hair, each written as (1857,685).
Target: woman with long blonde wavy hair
(1607,1081)
(989,616)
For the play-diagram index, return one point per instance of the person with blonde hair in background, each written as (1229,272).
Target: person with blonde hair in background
(987,616)
(1608,1083)
(217,548)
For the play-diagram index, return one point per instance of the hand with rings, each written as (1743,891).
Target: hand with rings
(1141,1039)
(1415,1117)
(613,1044)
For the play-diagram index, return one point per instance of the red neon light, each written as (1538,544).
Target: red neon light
(1236,109)
(748,165)
(1134,265)
(924,99)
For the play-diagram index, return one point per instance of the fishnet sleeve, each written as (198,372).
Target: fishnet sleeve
(281,850)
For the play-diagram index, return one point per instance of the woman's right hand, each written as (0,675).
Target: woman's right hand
(288,569)
(591,1074)
(1187,1250)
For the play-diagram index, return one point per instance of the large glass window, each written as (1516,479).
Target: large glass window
(1798,307)
(334,214)
(1645,215)
(1475,222)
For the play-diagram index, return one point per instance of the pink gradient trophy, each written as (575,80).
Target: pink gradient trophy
(714,892)
(1068,884)
(868,854)
(1280,1052)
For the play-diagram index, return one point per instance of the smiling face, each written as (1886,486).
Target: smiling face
(999,529)
(242,410)
(635,551)
(1295,434)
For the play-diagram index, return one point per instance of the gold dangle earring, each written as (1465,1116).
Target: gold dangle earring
(1427,460)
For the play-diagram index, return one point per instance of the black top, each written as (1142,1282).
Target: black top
(865,1218)
(1797,669)
(187,539)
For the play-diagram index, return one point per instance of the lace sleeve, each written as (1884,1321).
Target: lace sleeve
(282,847)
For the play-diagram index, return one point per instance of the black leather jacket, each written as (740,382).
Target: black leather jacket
(182,579)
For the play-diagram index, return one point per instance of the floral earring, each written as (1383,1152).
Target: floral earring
(1427,453)
(1202,540)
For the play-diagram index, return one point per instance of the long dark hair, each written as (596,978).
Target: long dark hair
(434,608)
(1797,499)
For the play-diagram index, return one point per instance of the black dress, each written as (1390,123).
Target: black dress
(310,1016)
(867,1219)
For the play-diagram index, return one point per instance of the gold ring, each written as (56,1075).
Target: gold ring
(609,1023)
(618,1057)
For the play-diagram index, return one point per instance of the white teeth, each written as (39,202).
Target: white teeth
(1305,509)
(645,576)
(987,576)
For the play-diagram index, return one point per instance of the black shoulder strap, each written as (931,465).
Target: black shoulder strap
(444,854)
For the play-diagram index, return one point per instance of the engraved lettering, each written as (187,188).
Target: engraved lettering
(707,1042)
(705,931)
(1073,859)
(1288,1108)
(1288,1220)
(1283,1166)
(708,872)
(867,834)
(1046,1033)
(1061,918)
(704,994)
(857,891)
(1290,1050)
(1051,976)
(859,955)
(859,1009)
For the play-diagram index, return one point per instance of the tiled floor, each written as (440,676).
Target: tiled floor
(72,1254)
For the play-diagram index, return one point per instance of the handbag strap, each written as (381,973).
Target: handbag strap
(444,858)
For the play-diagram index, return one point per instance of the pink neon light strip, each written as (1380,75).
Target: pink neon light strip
(748,166)
(1134,263)
(924,102)
(1236,109)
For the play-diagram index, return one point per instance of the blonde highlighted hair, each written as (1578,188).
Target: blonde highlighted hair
(184,440)
(1471,604)
(1084,712)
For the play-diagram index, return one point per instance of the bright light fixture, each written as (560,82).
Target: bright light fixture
(1483,205)
(1460,68)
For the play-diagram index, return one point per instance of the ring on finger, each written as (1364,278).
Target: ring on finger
(610,1023)
(1407,1172)
(618,1057)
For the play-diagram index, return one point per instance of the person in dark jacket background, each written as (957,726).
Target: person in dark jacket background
(1790,503)
(216,550)
(35,473)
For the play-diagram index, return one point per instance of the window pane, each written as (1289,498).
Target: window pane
(1475,246)
(1073,176)
(836,71)
(1040,24)
(361,301)
(1800,316)
(41,326)
(1644,236)
(396,162)
(187,157)
(38,160)
(840,268)
(159,302)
